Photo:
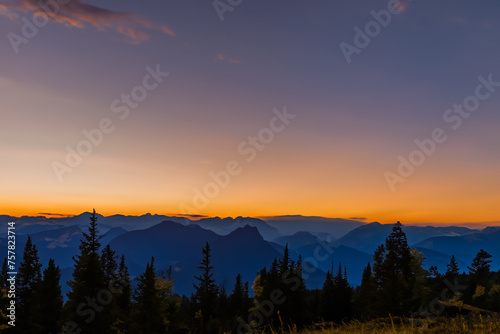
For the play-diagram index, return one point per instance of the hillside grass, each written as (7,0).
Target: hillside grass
(473,323)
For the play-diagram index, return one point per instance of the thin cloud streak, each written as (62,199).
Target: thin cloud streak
(221,57)
(77,14)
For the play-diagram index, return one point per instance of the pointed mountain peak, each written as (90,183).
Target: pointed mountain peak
(247,231)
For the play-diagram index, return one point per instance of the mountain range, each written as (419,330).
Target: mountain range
(244,245)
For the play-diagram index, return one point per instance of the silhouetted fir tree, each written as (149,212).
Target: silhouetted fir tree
(222,314)
(285,277)
(148,307)
(284,262)
(366,295)
(109,265)
(419,277)
(452,269)
(480,268)
(393,274)
(343,309)
(206,290)
(28,279)
(49,301)
(239,301)
(88,281)
(123,299)
(247,300)
(285,273)
(263,285)
(295,290)
(328,298)
(114,284)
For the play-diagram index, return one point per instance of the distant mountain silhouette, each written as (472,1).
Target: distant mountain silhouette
(466,247)
(297,240)
(244,245)
(111,234)
(336,227)
(242,251)
(224,226)
(366,238)
(172,241)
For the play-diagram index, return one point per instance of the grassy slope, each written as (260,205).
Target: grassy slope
(463,319)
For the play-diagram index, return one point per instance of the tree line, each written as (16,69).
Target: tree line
(104,299)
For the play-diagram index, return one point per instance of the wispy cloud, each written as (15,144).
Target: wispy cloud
(54,214)
(77,14)
(194,216)
(4,11)
(221,57)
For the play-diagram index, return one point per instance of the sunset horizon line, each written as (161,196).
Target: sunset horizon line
(196,217)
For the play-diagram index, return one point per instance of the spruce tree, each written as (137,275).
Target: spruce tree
(49,300)
(328,298)
(293,285)
(110,269)
(109,265)
(239,300)
(284,276)
(123,299)
(206,290)
(123,302)
(452,269)
(29,278)
(480,268)
(366,295)
(393,274)
(89,295)
(150,296)
(343,309)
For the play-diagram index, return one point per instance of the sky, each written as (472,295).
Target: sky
(383,110)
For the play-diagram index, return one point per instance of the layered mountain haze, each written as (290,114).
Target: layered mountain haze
(244,245)
(366,238)
(320,226)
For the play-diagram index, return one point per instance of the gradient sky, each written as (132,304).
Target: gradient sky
(226,77)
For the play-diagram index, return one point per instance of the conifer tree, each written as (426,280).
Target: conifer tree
(393,274)
(148,315)
(366,295)
(123,299)
(452,269)
(284,276)
(112,281)
(328,298)
(239,300)
(480,268)
(29,278)
(88,286)
(206,290)
(343,309)
(49,300)
(109,265)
